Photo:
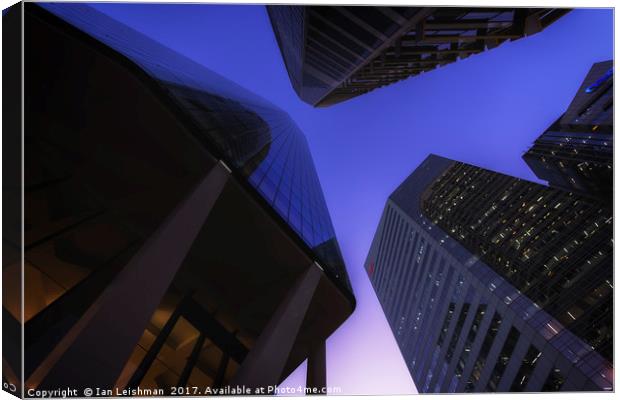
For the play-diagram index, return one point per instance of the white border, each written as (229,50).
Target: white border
(501,3)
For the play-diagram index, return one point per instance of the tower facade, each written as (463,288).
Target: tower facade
(333,54)
(576,152)
(466,311)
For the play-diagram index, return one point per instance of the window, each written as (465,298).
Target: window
(503,359)
(526,369)
(484,352)
(471,336)
(554,381)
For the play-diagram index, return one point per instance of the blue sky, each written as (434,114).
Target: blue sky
(485,110)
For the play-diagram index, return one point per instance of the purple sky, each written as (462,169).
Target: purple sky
(485,110)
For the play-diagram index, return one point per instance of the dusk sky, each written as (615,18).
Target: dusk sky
(485,110)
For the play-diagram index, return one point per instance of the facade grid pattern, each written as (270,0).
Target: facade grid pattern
(462,326)
(261,142)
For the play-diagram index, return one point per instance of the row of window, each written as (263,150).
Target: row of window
(516,227)
(408,275)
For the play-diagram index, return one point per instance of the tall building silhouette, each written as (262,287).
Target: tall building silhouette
(333,54)
(175,230)
(492,283)
(576,152)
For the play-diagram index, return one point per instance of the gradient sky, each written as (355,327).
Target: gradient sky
(485,110)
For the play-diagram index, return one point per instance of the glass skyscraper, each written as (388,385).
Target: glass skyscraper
(175,229)
(491,283)
(576,152)
(333,54)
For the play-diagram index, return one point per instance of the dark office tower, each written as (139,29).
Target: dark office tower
(453,266)
(554,246)
(576,152)
(333,54)
(175,233)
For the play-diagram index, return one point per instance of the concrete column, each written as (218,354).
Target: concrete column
(265,363)
(94,351)
(316,374)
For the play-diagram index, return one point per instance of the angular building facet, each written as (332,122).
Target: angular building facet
(333,54)
(175,230)
(492,283)
(576,152)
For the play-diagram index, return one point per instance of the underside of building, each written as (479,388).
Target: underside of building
(333,54)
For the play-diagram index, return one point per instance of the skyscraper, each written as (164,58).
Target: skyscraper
(333,54)
(175,230)
(576,152)
(492,283)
